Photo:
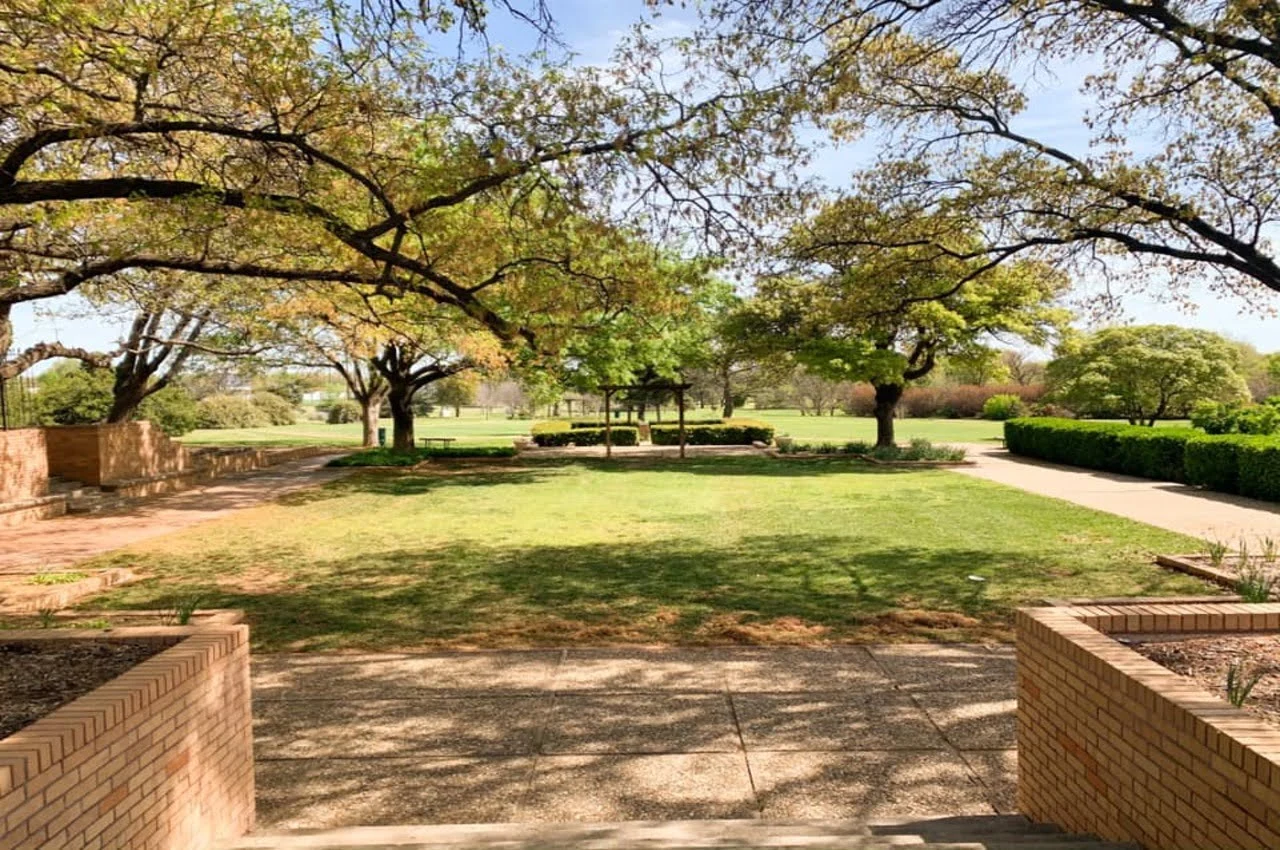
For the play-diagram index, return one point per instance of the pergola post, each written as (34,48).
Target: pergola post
(680,401)
(608,426)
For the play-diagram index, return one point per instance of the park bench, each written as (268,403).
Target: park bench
(443,441)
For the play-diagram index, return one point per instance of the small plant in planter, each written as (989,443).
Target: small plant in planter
(1216,552)
(182,611)
(1240,684)
(1269,553)
(1256,583)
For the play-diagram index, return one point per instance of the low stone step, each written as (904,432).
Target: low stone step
(996,833)
(92,503)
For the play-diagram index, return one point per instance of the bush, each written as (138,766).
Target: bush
(1259,469)
(919,449)
(344,411)
(1214,462)
(401,457)
(859,400)
(230,411)
(1004,406)
(279,411)
(731,432)
(561,433)
(1230,463)
(1218,418)
(172,410)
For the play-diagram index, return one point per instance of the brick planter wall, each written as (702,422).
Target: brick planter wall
(24,465)
(160,757)
(98,454)
(1114,744)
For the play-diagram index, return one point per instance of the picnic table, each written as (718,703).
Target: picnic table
(443,441)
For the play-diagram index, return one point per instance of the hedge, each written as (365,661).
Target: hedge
(731,432)
(1230,463)
(561,433)
(385,456)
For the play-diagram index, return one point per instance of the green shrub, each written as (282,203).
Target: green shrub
(689,422)
(172,410)
(279,411)
(732,432)
(344,411)
(1003,407)
(919,449)
(384,456)
(1214,462)
(561,433)
(1157,453)
(1259,469)
(1218,418)
(230,411)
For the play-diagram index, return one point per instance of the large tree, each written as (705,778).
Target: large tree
(1145,373)
(1174,169)
(348,150)
(888,316)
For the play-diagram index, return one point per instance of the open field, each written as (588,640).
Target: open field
(751,550)
(474,429)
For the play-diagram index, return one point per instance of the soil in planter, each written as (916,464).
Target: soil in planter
(37,677)
(1207,659)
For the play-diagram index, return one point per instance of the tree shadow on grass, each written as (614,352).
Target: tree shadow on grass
(765,589)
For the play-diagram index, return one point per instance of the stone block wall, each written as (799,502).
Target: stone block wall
(24,465)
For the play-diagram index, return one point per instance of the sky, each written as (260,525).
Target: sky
(590,28)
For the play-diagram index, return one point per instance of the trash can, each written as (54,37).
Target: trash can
(382,436)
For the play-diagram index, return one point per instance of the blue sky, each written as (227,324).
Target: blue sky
(591,27)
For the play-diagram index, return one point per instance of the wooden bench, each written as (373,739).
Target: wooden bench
(443,441)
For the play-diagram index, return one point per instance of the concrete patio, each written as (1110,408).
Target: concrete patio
(634,734)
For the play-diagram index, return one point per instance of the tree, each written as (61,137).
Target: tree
(349,151)
(727,347)
(887,316)
(1197,203)
(73,393)
(1145,373)
(1022,369)
(455,391)
(979,365)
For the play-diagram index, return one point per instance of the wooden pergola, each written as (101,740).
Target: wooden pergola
(610,389)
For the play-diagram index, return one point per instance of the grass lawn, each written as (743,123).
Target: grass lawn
(747,550)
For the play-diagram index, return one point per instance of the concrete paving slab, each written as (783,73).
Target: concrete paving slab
(394,675)
(646,787)
(997,770)
(800,670)
(865,785)
(478,726)
(974,721)
(641,723)
(620,670)
(817,722)
(329,793)
(919,667)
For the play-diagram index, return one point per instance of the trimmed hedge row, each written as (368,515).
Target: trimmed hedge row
(561,433)
(385,456)
(730,432)
(1230,463)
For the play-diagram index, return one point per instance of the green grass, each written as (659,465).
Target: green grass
(706,551)
(471,429)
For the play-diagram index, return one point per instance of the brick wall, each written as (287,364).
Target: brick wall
(98,454)
(160,758)
(1114,744)
(24,465)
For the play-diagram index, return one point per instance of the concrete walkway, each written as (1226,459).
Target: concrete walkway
(54,543)
(633,734)
(1175,507)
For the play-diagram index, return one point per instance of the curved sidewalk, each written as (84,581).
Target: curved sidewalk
(51,543)
(1175,507)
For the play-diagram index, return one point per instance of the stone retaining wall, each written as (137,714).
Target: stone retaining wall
(1114,744)
(24,465)
(160,757)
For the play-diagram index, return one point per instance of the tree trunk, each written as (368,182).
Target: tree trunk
(726,394)
(127,394)
(401,400)
(370,407)
(887,398)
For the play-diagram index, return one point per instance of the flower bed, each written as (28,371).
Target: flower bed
(159,756)
(1231,570)
(1113,743)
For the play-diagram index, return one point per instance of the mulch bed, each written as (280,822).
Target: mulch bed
(37,677)
(1206,660)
